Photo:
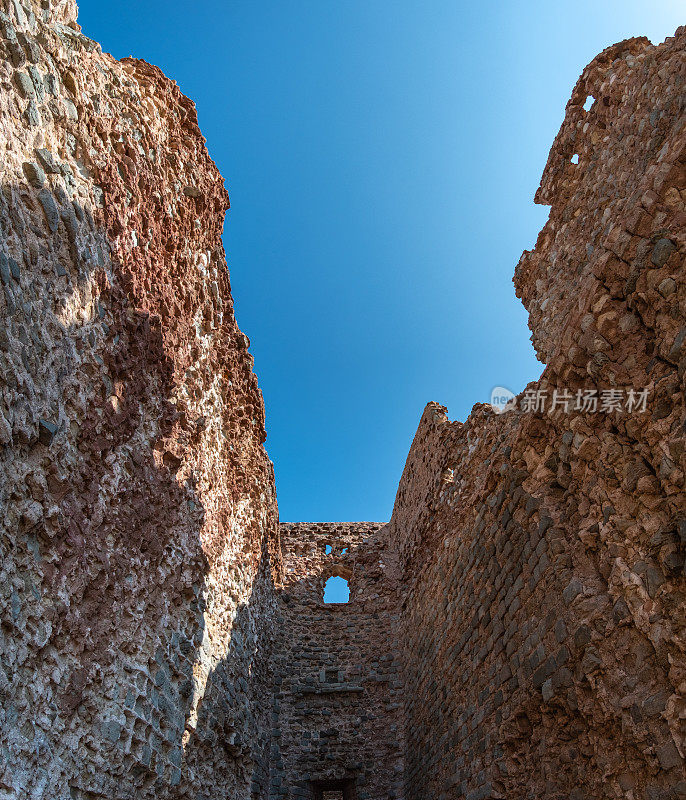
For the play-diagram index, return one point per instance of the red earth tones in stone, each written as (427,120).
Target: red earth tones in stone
(517,630)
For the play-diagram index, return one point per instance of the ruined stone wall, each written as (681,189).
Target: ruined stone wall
(516,631)
(139,542)
(542,552)
(338,698)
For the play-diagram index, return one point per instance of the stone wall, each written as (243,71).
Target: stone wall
(338,697)
(136,499)
(517,630)
(542,551)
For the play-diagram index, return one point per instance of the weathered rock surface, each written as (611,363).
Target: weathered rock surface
(137,501)
(542,552)
(517,630)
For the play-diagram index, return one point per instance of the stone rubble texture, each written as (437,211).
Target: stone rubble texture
(139,518)
(517,630)
(337,688)
(543,604)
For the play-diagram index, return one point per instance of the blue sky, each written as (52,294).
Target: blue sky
(381,157)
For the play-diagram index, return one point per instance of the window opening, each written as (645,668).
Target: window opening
(336,590)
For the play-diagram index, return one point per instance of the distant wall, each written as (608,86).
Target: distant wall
(338,696)
(542,554)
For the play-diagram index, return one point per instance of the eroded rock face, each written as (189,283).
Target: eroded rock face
(138,512)
(517,630)
(543,550)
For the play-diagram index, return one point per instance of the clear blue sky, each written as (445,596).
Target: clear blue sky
(381,158)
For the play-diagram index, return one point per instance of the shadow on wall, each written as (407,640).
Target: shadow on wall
(104,577)
(228,751)
(231,744)
(106,564)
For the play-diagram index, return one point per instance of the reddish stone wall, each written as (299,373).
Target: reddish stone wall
(338,697)
(516,631)
(137,501)
(542,554)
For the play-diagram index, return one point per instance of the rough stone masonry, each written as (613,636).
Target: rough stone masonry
(518,629)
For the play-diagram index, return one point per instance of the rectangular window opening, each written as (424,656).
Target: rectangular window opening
(334,790)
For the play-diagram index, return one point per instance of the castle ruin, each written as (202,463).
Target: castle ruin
(518,628)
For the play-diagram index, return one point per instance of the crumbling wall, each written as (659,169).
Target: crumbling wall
(542,549)
(338,696)
(139,538)
(516,631)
